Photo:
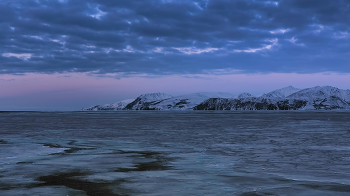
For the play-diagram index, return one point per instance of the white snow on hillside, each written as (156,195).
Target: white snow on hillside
(244,95)
(281,93)
(322,92)
(154,97)
(325,97)
(122,104)
(115,106)
(188,101)
(144,101)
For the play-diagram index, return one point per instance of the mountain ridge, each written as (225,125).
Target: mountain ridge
(281,93)
(288,98)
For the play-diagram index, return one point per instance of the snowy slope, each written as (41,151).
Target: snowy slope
(251,103)
(116,106)
(324,97)
(154,97)
(185,102)
(288,98)
(244,95)
(161,101)
(322,92)
(316,98)
(281,93)
(143,102)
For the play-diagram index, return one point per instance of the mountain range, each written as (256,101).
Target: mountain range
(288,98)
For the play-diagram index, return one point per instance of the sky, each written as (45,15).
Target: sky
(69,54)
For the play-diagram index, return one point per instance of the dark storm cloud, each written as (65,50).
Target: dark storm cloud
(174,36)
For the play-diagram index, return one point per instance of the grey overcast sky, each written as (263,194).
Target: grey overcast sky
(174,36)
(159,38)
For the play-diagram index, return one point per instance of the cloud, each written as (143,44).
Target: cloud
(34,37)
(25,56)
(173,37)
(274,42)
(280,31)
(193,50)
(97,13)
(341,35)
(294,40)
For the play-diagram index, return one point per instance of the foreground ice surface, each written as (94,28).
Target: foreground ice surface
(175,153)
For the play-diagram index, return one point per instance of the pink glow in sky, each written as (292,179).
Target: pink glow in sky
(73,91)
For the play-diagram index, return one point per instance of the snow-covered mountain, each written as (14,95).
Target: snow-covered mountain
(288,98)
(244,95)
(115,106)
(251,103)
(281,93)
(143,102)
(324,97)
(182,102)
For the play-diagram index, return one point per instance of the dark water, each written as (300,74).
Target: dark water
(175,153)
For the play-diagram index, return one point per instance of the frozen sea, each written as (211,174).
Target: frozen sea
(175,153)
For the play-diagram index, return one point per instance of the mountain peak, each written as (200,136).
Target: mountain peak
(154,97)
(244,95)
(322,92)
(281,93)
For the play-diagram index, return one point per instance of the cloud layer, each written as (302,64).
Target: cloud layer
(174,36)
